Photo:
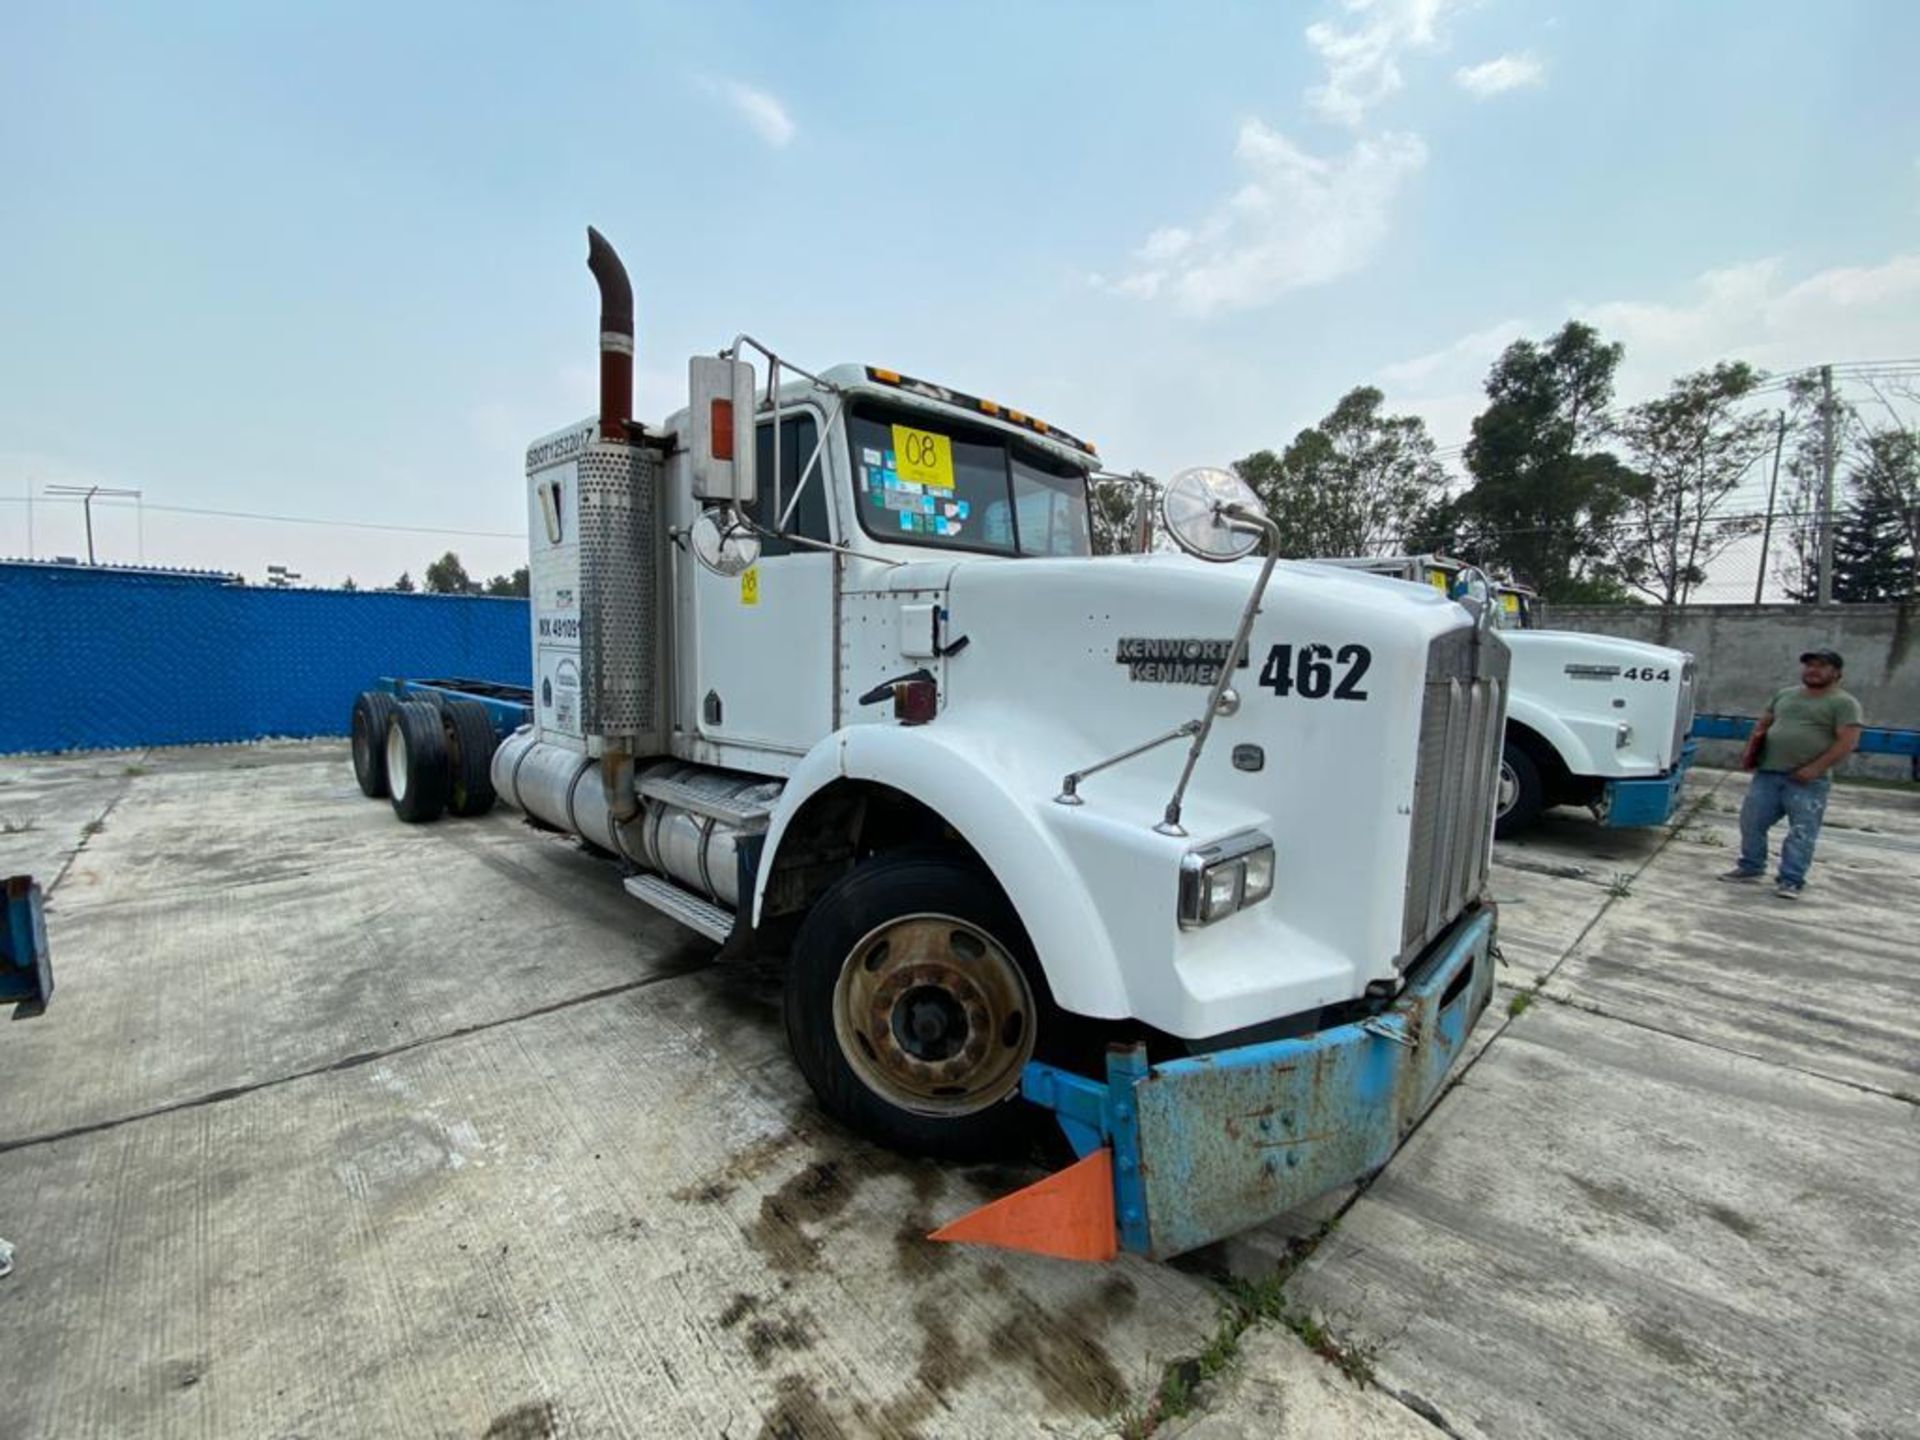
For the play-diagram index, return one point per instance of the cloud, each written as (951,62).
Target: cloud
(1501,74)
(764,113)
(1300,218)
(1363,60)
(1296,220)
(1753,311)
(1471,353)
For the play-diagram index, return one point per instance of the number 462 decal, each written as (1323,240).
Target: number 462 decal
(1308,671)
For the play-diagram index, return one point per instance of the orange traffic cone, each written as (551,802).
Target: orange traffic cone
(1068,1214)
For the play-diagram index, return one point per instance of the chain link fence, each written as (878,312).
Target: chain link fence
(98,658)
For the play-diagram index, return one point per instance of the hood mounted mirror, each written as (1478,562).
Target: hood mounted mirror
(1193,504)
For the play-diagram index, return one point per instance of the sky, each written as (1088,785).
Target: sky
(326,262)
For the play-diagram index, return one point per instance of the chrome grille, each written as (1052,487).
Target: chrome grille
(1683,714)
(1462,721)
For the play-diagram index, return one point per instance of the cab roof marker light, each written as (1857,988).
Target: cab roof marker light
(986,407)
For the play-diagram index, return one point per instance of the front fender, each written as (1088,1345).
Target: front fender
(1574,749)
(1076,954)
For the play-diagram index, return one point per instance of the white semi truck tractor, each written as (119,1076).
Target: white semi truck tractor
(1592,720)
(1188,849)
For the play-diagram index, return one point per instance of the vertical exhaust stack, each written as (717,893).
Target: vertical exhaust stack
(616,337)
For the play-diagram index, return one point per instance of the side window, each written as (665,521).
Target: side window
(798,435)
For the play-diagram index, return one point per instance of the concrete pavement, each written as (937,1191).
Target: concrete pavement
(338,1126)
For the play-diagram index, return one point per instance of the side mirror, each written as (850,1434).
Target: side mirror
(722,544)
(721,439)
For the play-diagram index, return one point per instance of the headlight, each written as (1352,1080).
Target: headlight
(1221,878)
(1259,876)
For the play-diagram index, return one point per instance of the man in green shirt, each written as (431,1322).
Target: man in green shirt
(1804,732)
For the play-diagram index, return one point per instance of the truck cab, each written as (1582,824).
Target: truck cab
(1592,720)
(829,664)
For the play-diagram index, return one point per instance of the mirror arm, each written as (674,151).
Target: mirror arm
(1170,822)
(786,516)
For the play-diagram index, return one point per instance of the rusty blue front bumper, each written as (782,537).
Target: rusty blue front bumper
(1209,1146)
(1625,804)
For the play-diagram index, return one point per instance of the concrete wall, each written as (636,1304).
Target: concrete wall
(1747,652)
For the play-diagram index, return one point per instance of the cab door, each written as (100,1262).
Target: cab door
(764,667)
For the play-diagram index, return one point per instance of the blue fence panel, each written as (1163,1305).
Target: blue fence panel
(101,659)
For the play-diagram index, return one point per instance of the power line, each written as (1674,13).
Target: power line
(295,519)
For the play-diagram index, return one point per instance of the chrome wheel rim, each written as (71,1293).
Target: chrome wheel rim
(934,1016)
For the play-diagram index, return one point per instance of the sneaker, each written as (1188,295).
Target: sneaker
(1785,891)
(1738,875)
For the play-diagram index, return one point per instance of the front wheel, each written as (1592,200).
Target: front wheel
(1520,796)
(910,1006)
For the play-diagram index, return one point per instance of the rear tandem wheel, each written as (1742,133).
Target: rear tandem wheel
(416,758)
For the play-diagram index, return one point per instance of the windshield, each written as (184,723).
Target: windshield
(923,479)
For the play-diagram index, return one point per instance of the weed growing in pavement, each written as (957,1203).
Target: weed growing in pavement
(17,824)
(133,772)
(1249,1301)
(92,828)
(1353,1361)
(1706,837)
(1620,886)
(1519,1004)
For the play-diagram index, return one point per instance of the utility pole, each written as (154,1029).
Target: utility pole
(1773,485)
(1826,484)
(86,494)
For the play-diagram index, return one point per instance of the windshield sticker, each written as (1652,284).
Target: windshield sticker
(925,459)
(872,457)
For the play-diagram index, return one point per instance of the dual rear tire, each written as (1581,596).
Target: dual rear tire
(426,756)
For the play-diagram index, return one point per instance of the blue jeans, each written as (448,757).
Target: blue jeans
(1772,794)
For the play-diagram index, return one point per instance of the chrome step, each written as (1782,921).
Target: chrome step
(677,903)
(748,819)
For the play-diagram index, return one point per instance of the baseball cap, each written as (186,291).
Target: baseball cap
(1832,657)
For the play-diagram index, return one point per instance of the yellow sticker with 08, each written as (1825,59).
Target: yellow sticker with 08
(922,457)
(750,585)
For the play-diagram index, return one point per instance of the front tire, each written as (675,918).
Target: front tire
(912,1006)
(1521,795)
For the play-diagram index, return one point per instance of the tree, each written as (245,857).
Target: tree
(514,584)
(447,576)
(404,584)
(347,584)
(1885,479)
(1690,448)
(1354,484)
(1871,560)
(1113,512)
(1797,516)
(1544,497)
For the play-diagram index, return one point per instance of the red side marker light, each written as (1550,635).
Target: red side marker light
(915,702)
(722,429)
